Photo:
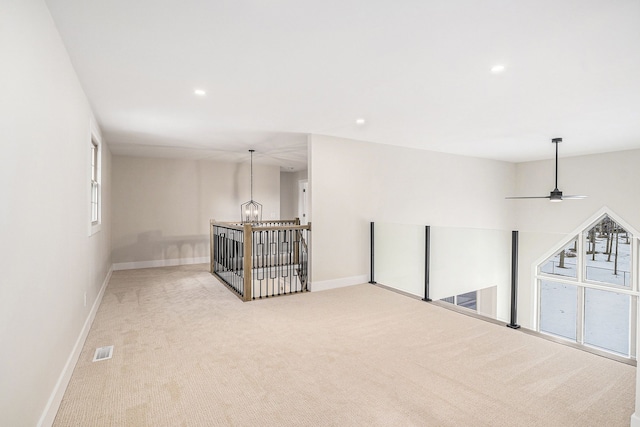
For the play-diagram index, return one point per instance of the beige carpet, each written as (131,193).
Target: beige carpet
(189,353)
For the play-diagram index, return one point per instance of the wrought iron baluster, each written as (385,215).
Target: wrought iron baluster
(258,243)
(282,286)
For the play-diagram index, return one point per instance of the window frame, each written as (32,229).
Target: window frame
(95,185)
(95,180)
(582,284)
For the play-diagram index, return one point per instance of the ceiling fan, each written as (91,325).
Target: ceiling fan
(555,195)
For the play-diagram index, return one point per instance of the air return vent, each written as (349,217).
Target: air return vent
(103,353)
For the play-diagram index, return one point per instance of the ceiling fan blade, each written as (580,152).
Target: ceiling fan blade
(574,197)
(528,197)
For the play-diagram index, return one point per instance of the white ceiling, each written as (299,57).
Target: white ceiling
(418,71)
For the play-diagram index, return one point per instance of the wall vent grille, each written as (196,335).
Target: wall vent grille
(103,353)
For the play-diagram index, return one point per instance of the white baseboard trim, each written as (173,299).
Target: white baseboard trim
(338,283)
(50,411)
(160,263)
(635,419)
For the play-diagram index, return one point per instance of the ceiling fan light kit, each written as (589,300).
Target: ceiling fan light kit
(555,195)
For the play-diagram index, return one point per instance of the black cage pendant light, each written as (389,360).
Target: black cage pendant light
(251,211)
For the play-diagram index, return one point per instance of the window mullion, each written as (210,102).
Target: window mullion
(580,261)
(635,278)
(580,316)
(633,329)
(538,302)
(635,263)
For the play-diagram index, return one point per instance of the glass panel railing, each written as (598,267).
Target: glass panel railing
(400,256)
(474,267)
(469,268)
(556,291)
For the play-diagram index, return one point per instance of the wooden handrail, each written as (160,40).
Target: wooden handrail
(282,227)
(230,225)
(241,224)
(241,227)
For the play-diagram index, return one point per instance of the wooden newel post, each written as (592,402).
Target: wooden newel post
(212,248)
(296,244)
(248,262)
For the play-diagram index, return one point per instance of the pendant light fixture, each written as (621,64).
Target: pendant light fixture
(251,211)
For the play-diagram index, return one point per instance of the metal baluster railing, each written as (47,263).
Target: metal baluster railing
(227,258)
(261,260)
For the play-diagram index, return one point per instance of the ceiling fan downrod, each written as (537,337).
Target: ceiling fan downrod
(555,195)
(556,141)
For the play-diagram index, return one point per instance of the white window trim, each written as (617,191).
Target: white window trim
(582,284)
(94,137)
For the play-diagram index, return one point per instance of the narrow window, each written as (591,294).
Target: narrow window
(95,184)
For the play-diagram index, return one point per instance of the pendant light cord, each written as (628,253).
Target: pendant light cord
(251,151)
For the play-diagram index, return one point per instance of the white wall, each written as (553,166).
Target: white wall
(162,207)
(48,260)
(353,183)
(610,180)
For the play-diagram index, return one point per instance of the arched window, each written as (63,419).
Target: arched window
(588,289)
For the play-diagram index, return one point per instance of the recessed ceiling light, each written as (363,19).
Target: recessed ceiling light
(497,69)
(360,122)
(200,92)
